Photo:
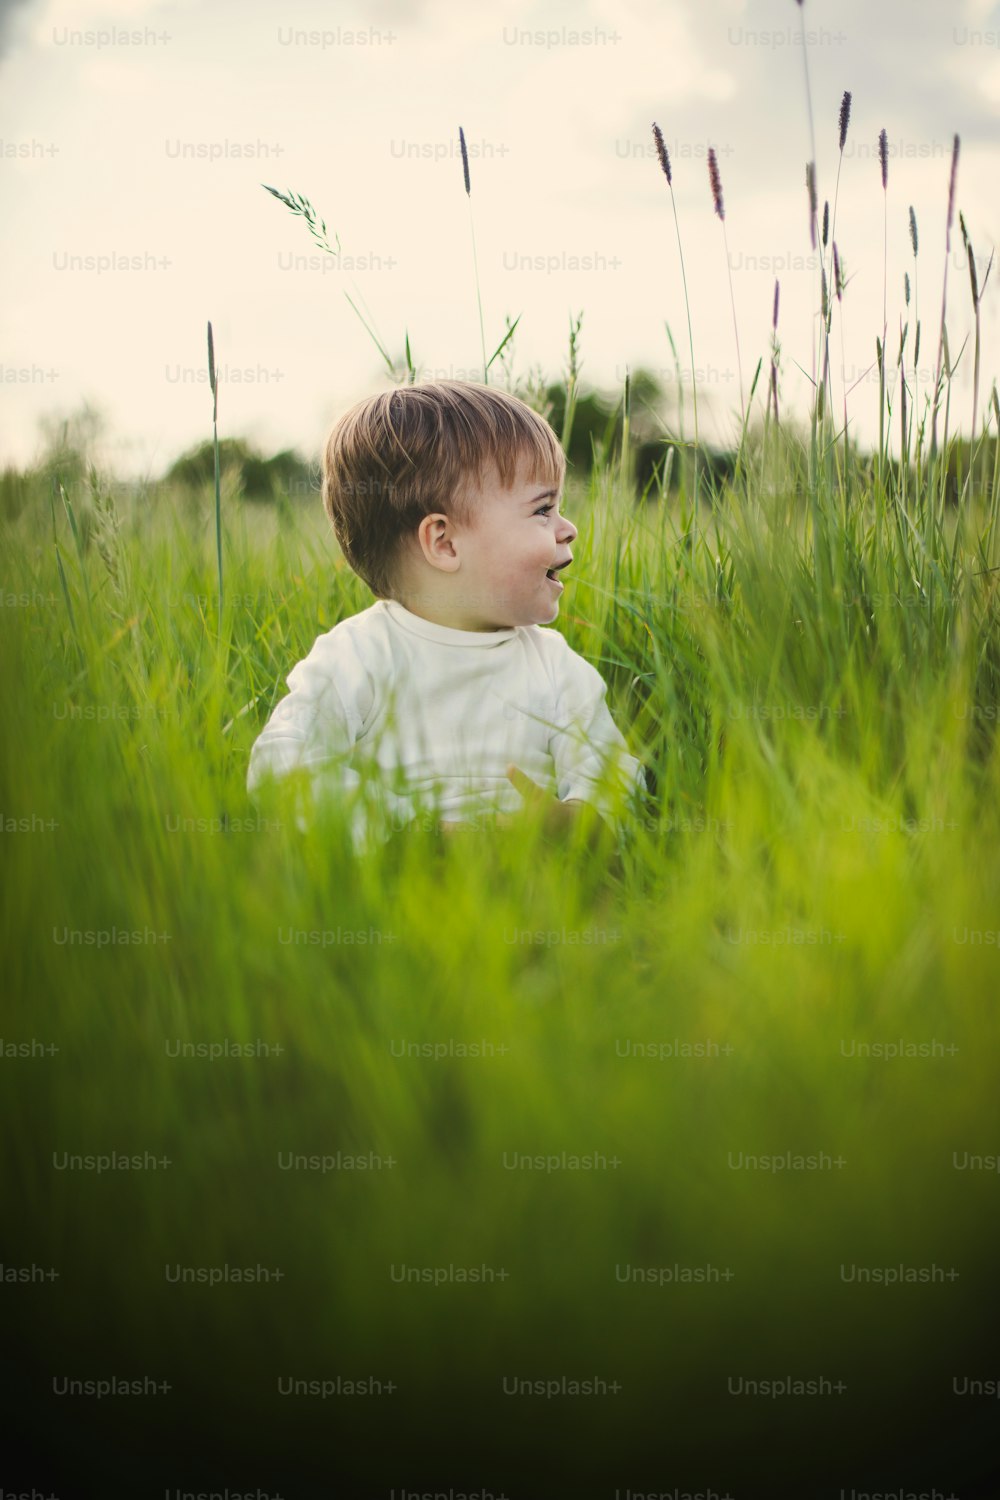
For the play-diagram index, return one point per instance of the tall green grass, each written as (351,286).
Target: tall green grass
(807,660)
(814,692)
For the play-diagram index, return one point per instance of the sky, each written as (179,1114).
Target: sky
(135,136)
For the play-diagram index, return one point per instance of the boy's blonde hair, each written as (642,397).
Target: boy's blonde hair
(403,454)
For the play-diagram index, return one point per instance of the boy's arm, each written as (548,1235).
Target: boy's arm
(315,727)
(568,818)
(592,761)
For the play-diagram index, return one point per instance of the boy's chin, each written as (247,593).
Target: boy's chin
(537,618)
(515,620)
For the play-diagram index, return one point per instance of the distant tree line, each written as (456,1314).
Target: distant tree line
(657,460)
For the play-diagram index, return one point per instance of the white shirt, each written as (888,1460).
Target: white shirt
(433,716)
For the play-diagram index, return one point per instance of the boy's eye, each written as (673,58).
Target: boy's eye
(543,510)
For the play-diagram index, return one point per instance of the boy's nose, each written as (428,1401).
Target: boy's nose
(567,531)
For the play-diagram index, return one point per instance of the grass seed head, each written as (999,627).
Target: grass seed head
(716,180)
(838,275)
(826,222)
(661,151)
(906,286)
(211,360)
(811,190)
(465,161)
(774,316)
(845,117)
(951,189)
(106,531)
(883,156)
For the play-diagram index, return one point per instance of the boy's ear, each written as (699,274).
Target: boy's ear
(436,539)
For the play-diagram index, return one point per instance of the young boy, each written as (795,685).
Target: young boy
(446,694)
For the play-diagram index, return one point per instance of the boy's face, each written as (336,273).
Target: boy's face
(509,555)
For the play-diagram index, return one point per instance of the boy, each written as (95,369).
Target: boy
(446,692)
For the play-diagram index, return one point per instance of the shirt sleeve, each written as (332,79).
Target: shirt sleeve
(331,700)
(316,726)
(591,757)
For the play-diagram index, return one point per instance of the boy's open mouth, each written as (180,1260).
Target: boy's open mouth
(551,572)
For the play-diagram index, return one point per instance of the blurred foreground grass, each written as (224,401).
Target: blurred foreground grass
(816,693)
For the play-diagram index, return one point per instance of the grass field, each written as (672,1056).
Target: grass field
(483,1166)
(678,1031)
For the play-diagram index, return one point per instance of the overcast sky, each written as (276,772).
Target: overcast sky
(138,133)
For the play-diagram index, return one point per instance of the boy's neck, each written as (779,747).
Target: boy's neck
(438,612)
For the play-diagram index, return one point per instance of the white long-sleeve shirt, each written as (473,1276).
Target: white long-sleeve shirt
(432,717)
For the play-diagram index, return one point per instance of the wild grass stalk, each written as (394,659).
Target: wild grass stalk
(214,386)
(78,546)
(843,126)
(826,306)
(809,106)
(58,489)
(883,157)
(952,182)
(915,245)
(844,122)
(838,287)
(715,181)
(299,205)
(815,351)
(475,263)
(977,298)
(904,443)
(901,366)
(511,327)
(812,199)
(572,382)
(107,535)
(811,189)
(775,351)
(816,336)
(678,445)
(664,159)
(626,456)
(947,370)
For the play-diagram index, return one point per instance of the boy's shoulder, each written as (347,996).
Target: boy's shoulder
(565,666)
(549,640)
(368,625)
(357,644)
